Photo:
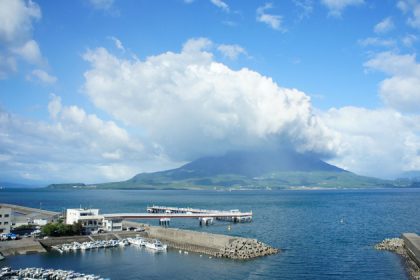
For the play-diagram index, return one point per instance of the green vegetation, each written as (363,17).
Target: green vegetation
(274,180)
(67,186)
(61,229)
(24,227)
(251,170)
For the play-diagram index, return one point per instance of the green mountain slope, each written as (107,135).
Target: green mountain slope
(251,170)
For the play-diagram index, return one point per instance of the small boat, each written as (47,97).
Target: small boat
(123,243)
(156,245)
(57,248)
(137,241)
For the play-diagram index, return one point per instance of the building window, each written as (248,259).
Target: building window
(1,215)
(0,223)
(6,223)
(6,215)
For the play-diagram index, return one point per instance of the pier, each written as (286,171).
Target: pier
(205,216)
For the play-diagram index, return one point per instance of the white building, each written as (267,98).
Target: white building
(92,221)
(5,219)
(89,218)
(74,215)
(113,225)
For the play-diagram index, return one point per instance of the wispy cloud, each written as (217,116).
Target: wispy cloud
(220,4)
(412,9)
(336,7)
(272,20)
(387,24)
(377,42)
(306,8)
(106,6)
(118,44)
(42,76)
(231,51)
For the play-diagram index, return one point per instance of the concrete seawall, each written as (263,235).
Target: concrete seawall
(217,245)
(412,244)
(408,247)
(20,247)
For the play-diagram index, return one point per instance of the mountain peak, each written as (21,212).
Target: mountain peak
(256,163)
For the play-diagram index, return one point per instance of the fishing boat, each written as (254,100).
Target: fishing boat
(156,245)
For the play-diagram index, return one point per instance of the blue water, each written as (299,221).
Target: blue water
(323,234)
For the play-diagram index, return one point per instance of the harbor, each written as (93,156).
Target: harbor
(294,221)
(116,229)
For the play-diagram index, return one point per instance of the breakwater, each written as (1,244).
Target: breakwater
(404,248)
(218,245)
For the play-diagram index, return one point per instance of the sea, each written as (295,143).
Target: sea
(322,234)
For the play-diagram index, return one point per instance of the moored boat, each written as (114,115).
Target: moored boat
(156,245)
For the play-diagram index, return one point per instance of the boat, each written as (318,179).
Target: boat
(123,242)
(156,245)
(137,241)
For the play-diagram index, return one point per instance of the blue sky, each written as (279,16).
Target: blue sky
(99,90)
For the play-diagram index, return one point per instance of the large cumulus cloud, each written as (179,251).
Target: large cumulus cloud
(73,146)
(190,105)
(375,142)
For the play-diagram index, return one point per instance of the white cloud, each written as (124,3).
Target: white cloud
(377,42)
(384,26)
(16,20)
(402,89)
(220,4)
(30,52)
(8,65)
(190,105)
(197,45)
(274,21)
(118,44)
(409,40)
(75,146)
(102,4)
(231,51)
(380,142)
(306,7)
(336,7)
(42,76)
(412,8)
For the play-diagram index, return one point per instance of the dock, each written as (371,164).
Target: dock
(202,214)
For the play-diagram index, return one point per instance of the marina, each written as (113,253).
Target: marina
(91,245)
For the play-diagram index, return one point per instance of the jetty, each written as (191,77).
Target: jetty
(412,245)
(408,247)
